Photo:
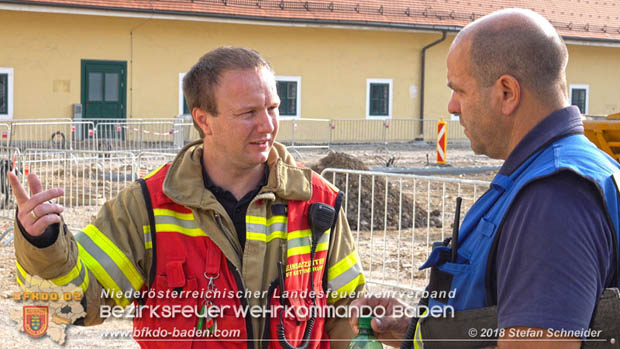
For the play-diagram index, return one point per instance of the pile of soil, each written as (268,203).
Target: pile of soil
(346,161)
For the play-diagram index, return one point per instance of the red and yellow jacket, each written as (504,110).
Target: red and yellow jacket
(195,240)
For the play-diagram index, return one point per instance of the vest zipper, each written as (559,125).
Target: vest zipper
(244,303)
(237,274)
(228,235)
(267,332)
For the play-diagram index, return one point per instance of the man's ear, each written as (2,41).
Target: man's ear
(201,119)
(510,93)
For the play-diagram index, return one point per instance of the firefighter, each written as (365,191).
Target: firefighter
(231,225)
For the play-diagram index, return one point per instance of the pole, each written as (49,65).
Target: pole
(441,141)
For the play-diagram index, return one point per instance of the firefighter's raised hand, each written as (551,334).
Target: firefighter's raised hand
(35,212)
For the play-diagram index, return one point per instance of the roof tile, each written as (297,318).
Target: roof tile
(582,19)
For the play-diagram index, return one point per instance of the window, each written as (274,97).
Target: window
(183,108)
(379,98)
(6,93)
(579,97)
(103,87)
(289,91)
(95,87)
(111,87)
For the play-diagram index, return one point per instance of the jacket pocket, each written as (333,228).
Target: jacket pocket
(444,275)
(445,280)
(171,313)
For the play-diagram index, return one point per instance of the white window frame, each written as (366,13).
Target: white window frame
(391,96)
(181,75)
(9,113)
(581,87)
(296,79)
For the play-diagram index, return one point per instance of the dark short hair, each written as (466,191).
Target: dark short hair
(200,81)
(536,56)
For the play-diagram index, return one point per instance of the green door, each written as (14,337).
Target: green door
(104,89)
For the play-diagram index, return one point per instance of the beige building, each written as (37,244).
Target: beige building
(371,60)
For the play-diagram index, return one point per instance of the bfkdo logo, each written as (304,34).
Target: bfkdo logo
(35,320)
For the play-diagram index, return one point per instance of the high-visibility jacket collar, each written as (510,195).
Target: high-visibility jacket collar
(184,183)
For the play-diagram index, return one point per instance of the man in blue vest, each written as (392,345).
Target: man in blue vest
(541,244)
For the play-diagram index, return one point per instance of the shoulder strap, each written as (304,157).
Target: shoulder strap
(337,206)
(149,209)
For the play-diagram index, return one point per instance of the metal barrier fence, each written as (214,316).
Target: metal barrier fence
(395,218)
(99,134)
(150,161)
(89,178)
(54,134)
(186,133)
(358,131)
(9,158)
(5,132)
(172,134)
(391,130)
(109,138)
(137,135)
(305,133)
(401,130)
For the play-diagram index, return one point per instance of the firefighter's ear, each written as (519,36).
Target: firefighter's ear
(201,119)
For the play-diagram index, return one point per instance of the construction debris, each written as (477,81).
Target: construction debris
(400,209)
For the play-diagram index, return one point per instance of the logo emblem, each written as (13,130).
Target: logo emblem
(35,320)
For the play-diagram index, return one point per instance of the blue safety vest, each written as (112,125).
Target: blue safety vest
(467,276)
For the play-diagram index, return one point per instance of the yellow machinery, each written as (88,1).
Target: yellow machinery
(605,134)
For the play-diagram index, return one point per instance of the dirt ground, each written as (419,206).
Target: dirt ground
(388,255)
